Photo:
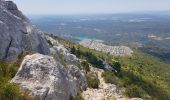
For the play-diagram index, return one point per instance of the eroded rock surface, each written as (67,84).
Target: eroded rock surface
(46,79)
(113,50)
(17,33)
(61,53)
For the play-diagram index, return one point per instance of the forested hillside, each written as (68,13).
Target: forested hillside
(142,75)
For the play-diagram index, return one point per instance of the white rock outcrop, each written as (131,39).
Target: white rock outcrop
(46,79)
(113,50)
(60,52)
(17,33)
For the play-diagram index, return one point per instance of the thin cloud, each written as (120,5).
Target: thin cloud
(90,6)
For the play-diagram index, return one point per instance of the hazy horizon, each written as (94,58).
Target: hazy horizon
(90,6)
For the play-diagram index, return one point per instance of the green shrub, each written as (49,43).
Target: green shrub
(62,59)
(8,70)
(116,66)
(13,70)
(93,81)
(49,42)
(109,77)
(134,91)
(95,61)
(22,55)
(78,97)
(11,91)
(90,57)
(85,66)
(73,50)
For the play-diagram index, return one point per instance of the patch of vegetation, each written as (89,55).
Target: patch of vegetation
(90,57)
(85,66)
(134,91)
(78,97)
(141,75)
(49,42)
(117,67)
(11,91)
(62,59)
(8,70)
(92,80)
(148,73)
(110,77)
(22,55)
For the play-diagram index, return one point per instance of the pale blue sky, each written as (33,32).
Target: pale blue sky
(90,6)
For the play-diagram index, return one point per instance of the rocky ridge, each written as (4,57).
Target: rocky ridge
(113,50)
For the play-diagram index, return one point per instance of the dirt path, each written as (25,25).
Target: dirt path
(105,91)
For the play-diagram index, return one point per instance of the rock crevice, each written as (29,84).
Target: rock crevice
(7,49)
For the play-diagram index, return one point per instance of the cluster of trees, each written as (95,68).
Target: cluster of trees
(95,60)
(117,67)
(91,58)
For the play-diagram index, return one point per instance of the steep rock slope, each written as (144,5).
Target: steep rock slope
(17,33)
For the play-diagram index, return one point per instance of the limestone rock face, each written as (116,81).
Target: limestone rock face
(61,53)
(46,79)
(80,76)
(17,33)
(113,50)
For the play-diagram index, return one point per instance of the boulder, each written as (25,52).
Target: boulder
(80,76)
(44,78)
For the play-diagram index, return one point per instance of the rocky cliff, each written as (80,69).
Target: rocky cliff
(17,33)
